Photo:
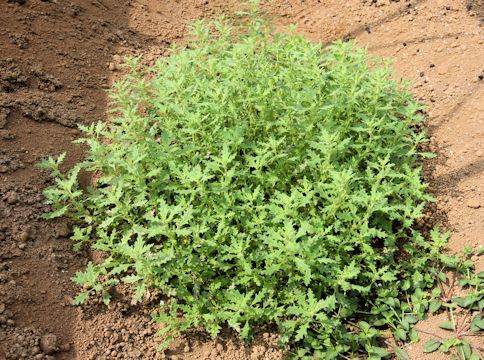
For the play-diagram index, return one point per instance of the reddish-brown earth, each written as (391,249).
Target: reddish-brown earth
(58,57)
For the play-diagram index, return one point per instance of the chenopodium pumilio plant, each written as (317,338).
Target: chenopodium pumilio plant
(256,178)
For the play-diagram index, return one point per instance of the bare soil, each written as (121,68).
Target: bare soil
(57,58)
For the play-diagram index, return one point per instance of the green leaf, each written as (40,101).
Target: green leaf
(106,298)
(411,319)
(434,306)
(301,332)
(477,323)
(304,269)
(465,350)
(245,332)
(413,336)
(400,334)
(80,298)
(436,292)
(400,353)
(447,325)
(380,351)
(464,301)
(442,277)
(164,345)
(431,345)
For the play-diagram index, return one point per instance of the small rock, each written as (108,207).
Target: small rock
(473,204)
(48,344)
(186,349)
(22,246)
(11,197)
(112,66)
(62,230)
(25,235)
(117,59)
(479,153)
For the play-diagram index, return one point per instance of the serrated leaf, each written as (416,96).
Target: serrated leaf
(80,298)
(301,332)
(164,345)
(304,269)
(245,331)
(163,331)
(106,298)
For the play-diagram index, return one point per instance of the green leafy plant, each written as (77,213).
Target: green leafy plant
(255,178)
(464,312)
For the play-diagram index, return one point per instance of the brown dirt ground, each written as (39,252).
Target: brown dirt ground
(58,57)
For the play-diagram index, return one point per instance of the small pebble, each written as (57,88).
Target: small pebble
(25,235)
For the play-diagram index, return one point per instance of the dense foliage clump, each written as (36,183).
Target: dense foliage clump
(255,178)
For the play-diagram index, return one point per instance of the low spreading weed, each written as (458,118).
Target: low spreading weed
(255,178)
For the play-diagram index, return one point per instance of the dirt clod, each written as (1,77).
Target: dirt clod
(12,77)
(473,203)
(47,82)
(48,344)
(44,109)
(4,112)
(25,235)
